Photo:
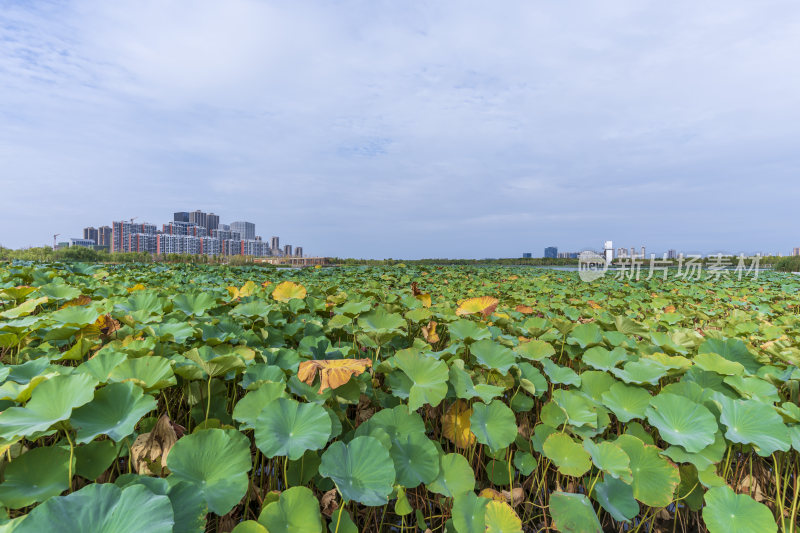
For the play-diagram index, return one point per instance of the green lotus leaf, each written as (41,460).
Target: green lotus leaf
(455,476)
(580,410)
(535,350)
(682,422)
(610,458)
(712,362)
(296,511)
(102,364)
(586,335)
(626,401)
(59,291)
(560,374)
(733,350)
(601,359)
(690,490)
(341,519)
(641,371)
(102,507)
(654,478)
(381,326)
(35,476)
(569,456)
(616,497)
(362,470)
(170,331)
(525,463)
(114,411)
(531,380)
(469,513)
(573,513)
(416,460)
(92,459)
(150,372)
(706,457)
(726,511)
(493,425)
(24,309)
(493,356)
(217,462)
(397,423)
(464,388)
(287,427)
(429,378)
(194,304)
(249,526)
(248,408)
(753,388)
(188,505)
(594,383)
(753,422)
(254,309)
(468,331)
(51,402)
(213,363)
(75,315)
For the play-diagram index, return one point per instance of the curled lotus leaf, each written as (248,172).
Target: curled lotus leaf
(485,305)
(333,373)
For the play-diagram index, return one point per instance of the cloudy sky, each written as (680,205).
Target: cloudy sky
(408,129)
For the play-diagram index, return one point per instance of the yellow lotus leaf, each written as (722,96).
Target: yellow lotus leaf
(593,304)
(524,309)
(501,517)
(137,287)
(456,425)
(80,300)
(107,325)
(266,284)
(492,495)
(288,290)
(669,309)
(425,298)
(333,373)
(317,267)
(482,304)
(429,332)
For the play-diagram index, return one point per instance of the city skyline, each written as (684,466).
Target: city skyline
(192,232)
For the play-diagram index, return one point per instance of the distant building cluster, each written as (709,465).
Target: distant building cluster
(194,232)
(795,251)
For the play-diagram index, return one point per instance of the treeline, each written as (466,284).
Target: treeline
(88,255)
(788,264)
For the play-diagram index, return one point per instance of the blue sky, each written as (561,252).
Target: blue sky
(408,129)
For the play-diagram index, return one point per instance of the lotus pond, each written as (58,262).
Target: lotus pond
(204,398)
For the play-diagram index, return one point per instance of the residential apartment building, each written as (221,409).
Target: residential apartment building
(551,252)
(298,251)
(90,234)
(104,236)
(287,250)
(246,229)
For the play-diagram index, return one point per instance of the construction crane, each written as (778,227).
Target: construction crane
(134,218)
(54,240)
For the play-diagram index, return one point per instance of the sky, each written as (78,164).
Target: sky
(410,129)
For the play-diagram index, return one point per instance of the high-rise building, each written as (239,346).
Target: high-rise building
(104,236)
(275,243)
(184,228)
(199,218)
(287,250)
(672,254)
(608,251)
(525,255)
(86,243)
(212,222)
(643,253)
(142,242)
(298,251)
(90,233)
(247,229)
(796,251)
(121,232)
(181,216)
(551,252)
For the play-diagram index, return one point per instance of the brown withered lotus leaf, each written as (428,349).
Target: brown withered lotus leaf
(333,373)
(153,446)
